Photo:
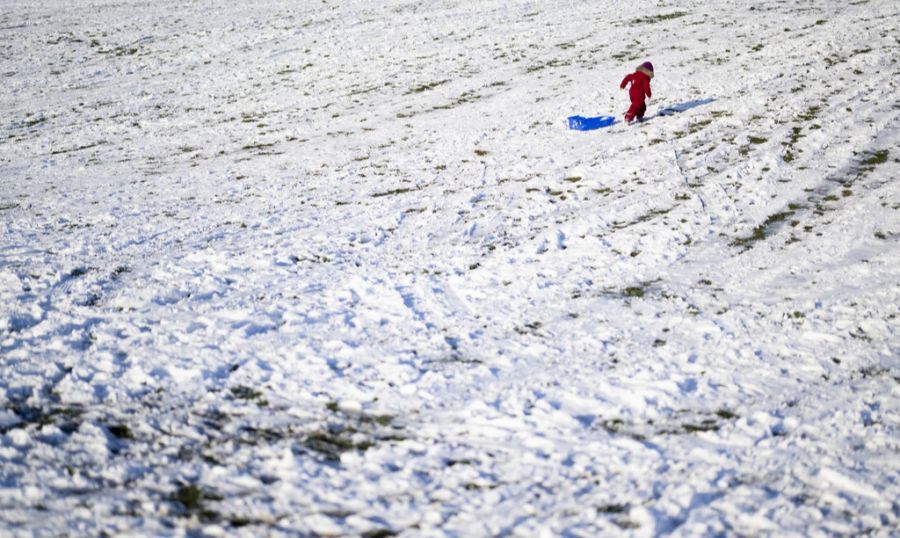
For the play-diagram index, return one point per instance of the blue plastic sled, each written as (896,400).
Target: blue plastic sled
(580,123)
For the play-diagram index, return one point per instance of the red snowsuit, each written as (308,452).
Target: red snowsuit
(640,87)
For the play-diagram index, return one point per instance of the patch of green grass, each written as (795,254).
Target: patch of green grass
(78,148)
(796,134)
(532,328)
(707,425)
(392,192)
(612,508)
(120,51)
(354,432)
(613,425)
(633,291)
(287,70)
(695,127)
(777,217)
(468,96)
(331,444)
(659,18)
(879,157)
(627,524)
(650,215)
(67,419)
(34,122)
(551,63)
(831,61)
(258,146)
(426,87)
(383,420)
(193,499)
(810,114)
(121,431)
(725,414)
(759,233)
(242,392)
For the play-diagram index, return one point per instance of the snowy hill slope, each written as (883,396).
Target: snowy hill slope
(338,268)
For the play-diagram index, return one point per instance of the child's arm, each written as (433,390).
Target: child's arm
(625,81)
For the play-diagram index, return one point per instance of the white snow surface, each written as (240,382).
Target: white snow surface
(339,268)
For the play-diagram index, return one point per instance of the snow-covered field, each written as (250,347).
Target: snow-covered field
(339,268)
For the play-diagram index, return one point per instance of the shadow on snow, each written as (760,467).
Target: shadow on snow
(681,107)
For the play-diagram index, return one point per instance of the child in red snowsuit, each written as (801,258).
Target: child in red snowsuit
(640,87)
